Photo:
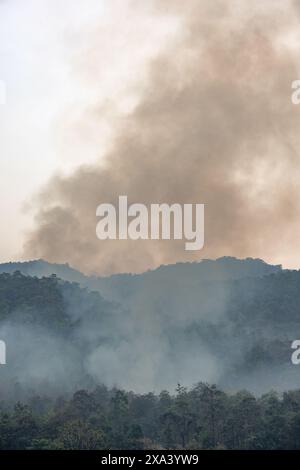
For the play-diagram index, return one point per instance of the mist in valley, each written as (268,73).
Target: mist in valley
(212,322)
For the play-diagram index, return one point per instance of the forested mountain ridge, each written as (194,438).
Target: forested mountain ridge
(231,328)
(48,301)
(220,269)
(50,327)
(41,268)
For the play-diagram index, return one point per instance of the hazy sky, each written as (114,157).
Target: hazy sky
(40,41)
(185,102)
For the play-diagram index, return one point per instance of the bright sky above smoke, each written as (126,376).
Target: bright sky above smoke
(73,69)
(38,41)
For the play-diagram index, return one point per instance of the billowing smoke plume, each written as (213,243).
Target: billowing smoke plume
(215,125)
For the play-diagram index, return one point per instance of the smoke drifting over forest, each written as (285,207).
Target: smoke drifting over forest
(214,125)
(216,321)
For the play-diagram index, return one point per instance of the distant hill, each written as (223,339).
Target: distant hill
(117,286)
(227,321)
(42,268)
(176,276)
(50,328)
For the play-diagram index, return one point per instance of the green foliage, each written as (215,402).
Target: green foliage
(48,302)
(201,418)
(33,301)
(261,314)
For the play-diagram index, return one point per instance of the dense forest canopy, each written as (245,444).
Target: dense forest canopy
(204,417)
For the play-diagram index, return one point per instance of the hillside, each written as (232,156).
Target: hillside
(229,322)
(117,285)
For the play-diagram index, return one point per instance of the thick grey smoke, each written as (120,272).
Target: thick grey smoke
(38,362)
(215,125)
(136,347)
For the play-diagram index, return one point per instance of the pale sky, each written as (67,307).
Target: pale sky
(46,94)
(74,68)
